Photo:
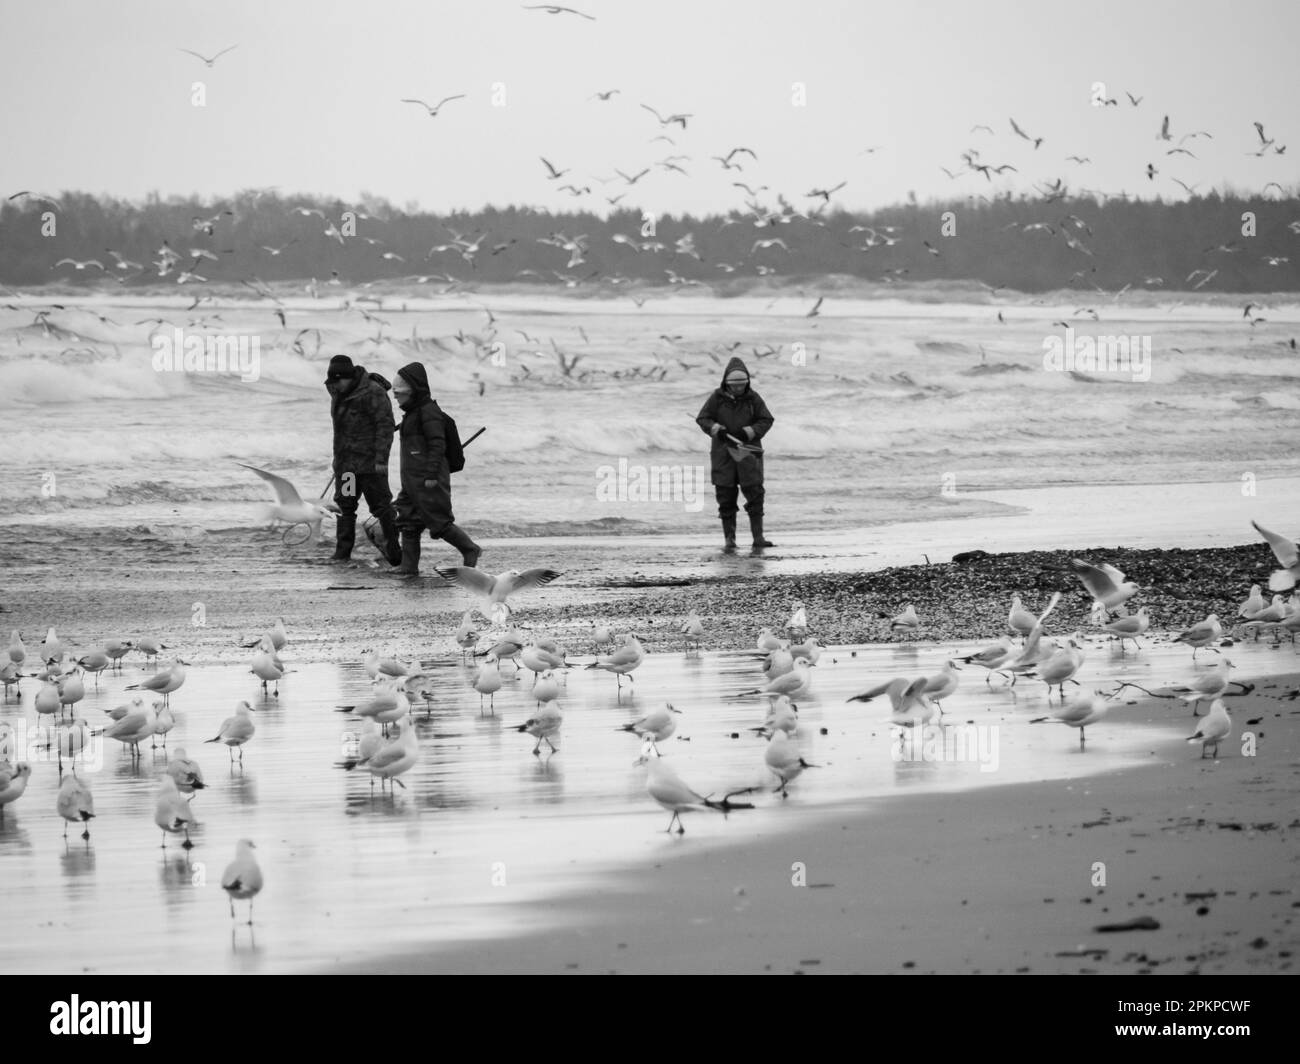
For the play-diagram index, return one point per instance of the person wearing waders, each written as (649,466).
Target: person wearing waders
(735,412)
(363,438)
(425,499)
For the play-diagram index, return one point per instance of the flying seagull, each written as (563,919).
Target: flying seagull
(678,118)
(433,111)
(288,504)
(497,589)
(555,9)
(205,59)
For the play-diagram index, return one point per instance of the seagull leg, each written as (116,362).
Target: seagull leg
(398,782)
(187,844)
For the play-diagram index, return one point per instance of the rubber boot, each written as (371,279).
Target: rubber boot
(392,541)
(729,534)
(345,536)
(459,538)
(410,554)
(756,527)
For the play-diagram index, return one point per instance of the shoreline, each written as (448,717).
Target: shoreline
(904,884)
(333,612)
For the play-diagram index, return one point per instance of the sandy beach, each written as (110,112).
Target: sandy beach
(997,882)
(873,864)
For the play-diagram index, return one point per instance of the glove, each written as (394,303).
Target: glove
(718,428)
(746,435)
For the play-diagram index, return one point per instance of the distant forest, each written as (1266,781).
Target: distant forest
(1026,243)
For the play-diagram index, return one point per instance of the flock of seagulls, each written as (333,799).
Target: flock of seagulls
(387,746)
(765,253)
(59,731)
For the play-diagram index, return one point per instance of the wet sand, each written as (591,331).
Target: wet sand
(496,860)
(243,581)
(488,843)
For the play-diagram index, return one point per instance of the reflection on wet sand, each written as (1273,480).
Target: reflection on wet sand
(483,825)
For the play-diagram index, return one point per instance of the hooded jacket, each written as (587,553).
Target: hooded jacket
(363,425)
(735,413)
(425,498)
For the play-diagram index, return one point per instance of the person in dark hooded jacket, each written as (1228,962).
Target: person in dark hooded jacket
(425,499)
(363,438)
(736,410)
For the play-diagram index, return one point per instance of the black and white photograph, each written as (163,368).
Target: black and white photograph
(716,488)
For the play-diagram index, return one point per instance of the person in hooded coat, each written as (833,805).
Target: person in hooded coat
(425,499)
(363,438)
(736,410)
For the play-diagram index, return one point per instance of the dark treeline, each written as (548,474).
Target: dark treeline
(1072,242)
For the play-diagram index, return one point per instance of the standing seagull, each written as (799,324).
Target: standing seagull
(1216,727)
(172,812)
(1214,684)
(75,804)
(266,666)
(670,791)
(487,681)
(165,682)
(236,731)
(1084,710)
(655,726)
(1201,635)
(623,661)
(12,784)
(543,724)
(186,772)
(242,878)
(1130,627)
(693,629)
(467,636)
(907,620)
(496,589)
(943,683)
(993,656)
(390,761)
(783,758)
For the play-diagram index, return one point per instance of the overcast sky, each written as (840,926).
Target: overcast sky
(98,97)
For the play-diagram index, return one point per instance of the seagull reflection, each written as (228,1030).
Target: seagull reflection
(77,860)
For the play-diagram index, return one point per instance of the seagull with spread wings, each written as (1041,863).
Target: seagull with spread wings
(1285,551)
(496,589)
(555,9)
(435,108)
(205,59)
(1104,582)
(289,505)
(680,119)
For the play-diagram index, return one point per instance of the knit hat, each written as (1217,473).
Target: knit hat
(341,368)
